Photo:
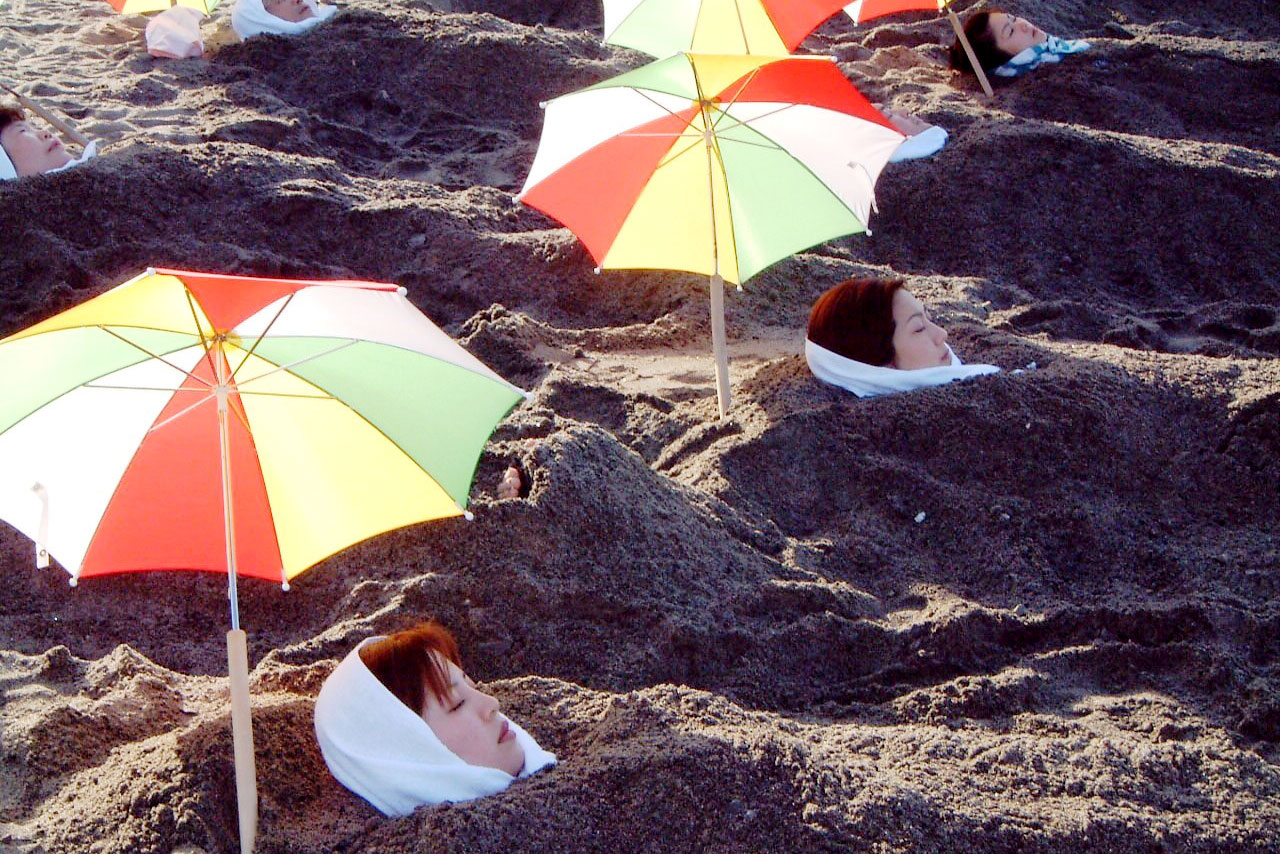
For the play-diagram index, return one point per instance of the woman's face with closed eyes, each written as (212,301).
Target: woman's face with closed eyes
(1013,34)
(918,342)
(467,722)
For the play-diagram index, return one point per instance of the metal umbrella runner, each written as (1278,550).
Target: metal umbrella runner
(251,426)
(719,165)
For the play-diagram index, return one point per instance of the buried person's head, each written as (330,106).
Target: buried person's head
(401,725)
(422,668)
(251,18)
(26,149)
(289,10)
(873,337)
(1009,46)
(878,322)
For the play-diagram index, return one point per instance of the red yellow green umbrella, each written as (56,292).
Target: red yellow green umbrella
(719,165)
(664,27)
(193,421)
(351,414)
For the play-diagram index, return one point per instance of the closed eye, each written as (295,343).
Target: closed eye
(457,706)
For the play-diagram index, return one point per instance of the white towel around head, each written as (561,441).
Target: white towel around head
(379,749)
(869,380)
(250,18)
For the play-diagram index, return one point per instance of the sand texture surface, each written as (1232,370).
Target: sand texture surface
(1036,612)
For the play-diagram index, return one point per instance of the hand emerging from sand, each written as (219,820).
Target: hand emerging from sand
(509,486)
(909,125)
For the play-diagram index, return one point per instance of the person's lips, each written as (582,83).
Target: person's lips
(506,734)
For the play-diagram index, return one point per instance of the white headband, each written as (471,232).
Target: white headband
(379,749)
(868,380)
(7,172)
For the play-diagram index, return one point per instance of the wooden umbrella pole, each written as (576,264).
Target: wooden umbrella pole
(237,641)
(63,127)
(968,49)
(242,739)
(718,343)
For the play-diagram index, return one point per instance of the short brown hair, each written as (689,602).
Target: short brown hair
(855,320)
(409,663)
(9,115)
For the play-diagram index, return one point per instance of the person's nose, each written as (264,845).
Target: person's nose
(488,705)
(940,334)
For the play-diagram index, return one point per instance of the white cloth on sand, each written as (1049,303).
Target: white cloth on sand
(175,33)
(7,172)
(869,380)
(928,141)
(250,18)
(379,749)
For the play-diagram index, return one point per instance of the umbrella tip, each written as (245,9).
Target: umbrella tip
(402,291)
(284,585)
(542,105)
(73,581)
(468,515)
(596,270)
(739,287)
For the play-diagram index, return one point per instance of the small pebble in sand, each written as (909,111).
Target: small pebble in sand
(920,517)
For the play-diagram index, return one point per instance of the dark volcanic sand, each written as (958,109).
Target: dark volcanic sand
(735,634)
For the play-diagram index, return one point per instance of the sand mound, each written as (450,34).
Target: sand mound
(1035,612)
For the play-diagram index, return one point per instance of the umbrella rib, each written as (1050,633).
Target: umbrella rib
(141,388)
(177,415)
(161,359)
(742,28)
(669,158)
(208,351)
(744,123)
(285,305)
(643,94)
(774,147)
(301,361)
(724,111)
(284,394)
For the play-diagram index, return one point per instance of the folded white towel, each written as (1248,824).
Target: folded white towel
(926,142)
(379,749)
(250,18)
(869,380)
